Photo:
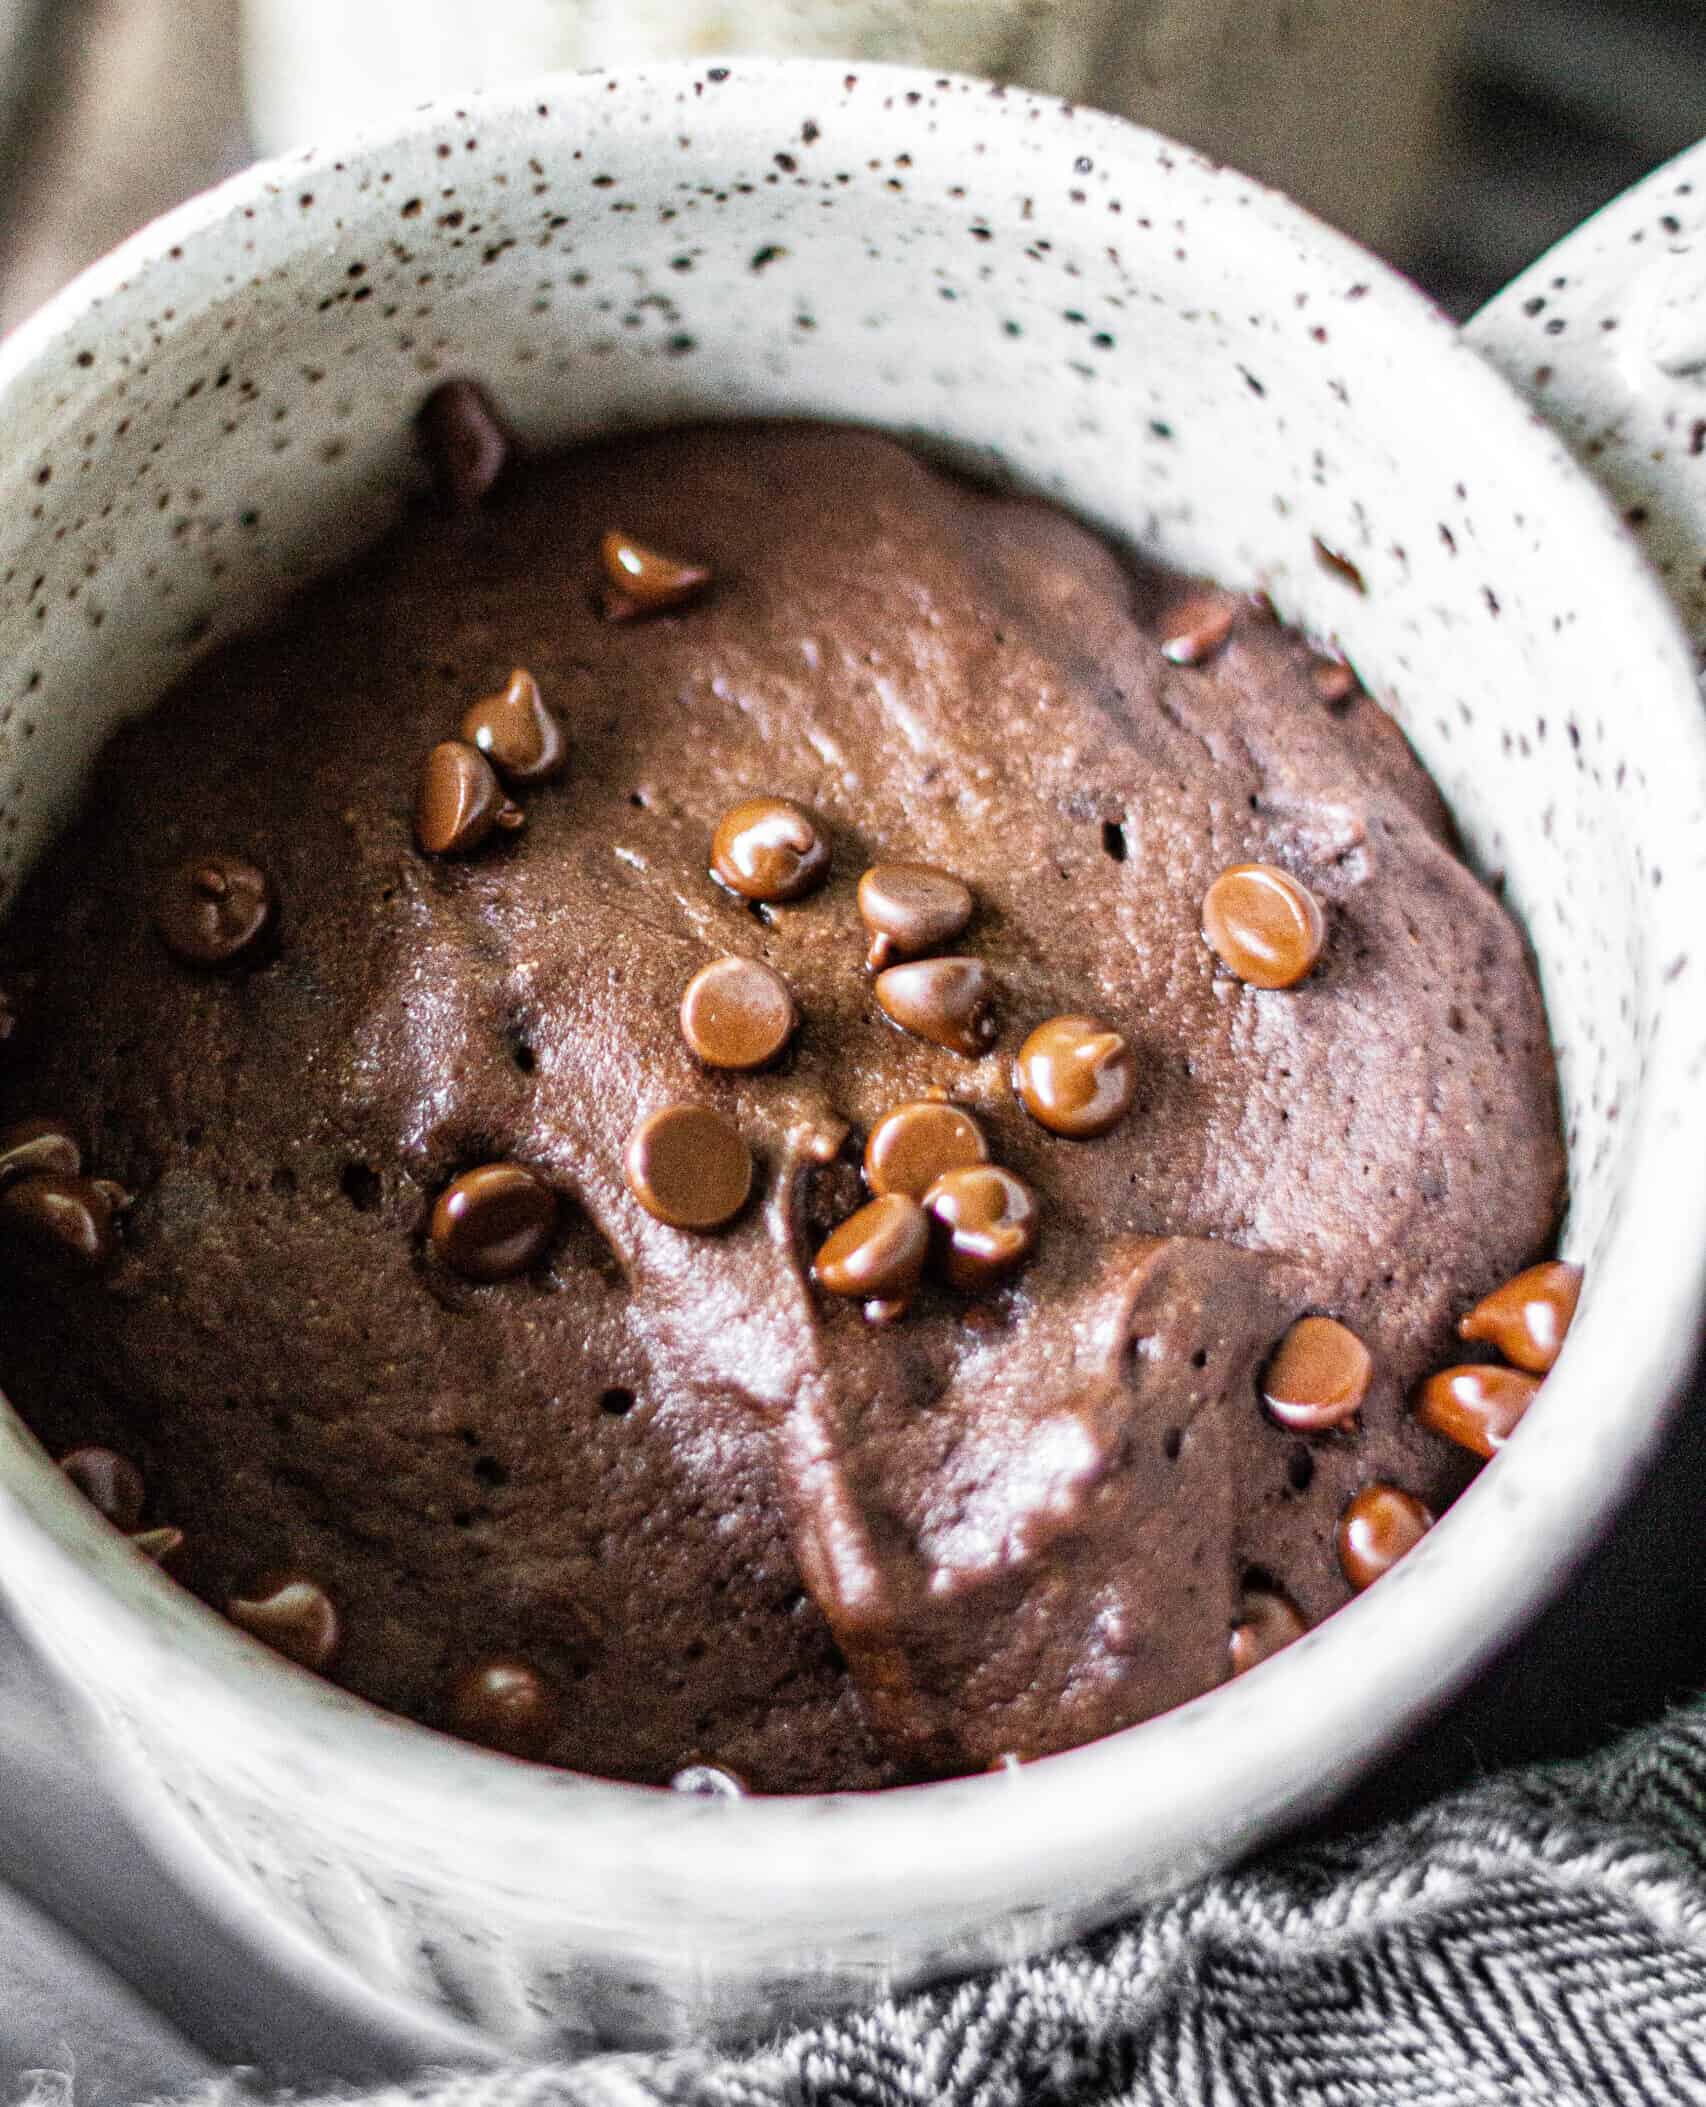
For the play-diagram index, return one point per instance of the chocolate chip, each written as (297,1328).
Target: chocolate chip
(1525,1320)
(212,910)
(877,1253)
(1318,1376)
(737,1014)
(504,1705)
(709,1781)
(945,1000)
(30,1147)
(1076,1077)
(1264,924)
(1378,1527)
(464,444)
(110,1483)
(64,1217)
(493,1222)
(912,1146)
(988,1221)
(1479,1408)
(460,800)
(1266,1623)
(767,849)
(517,733)
(1196,628)
(642,581)
(293,1615)
(161,1545)
(909,908)
(8,1017)
(689,1166)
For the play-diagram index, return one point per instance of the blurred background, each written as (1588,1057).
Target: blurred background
(1458,137)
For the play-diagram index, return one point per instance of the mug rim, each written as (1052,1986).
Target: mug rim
(841,1854)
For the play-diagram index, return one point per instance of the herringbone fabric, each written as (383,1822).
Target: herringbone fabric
(1538,1941)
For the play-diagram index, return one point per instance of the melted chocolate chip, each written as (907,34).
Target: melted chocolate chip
(1266,1623)
(1525,1320)
(737,1014)
(1318,1376)
(459,801)
(909,908)
(1379,1526)
(505,1705)
(709,1781)
(989,1221)
(945,1000)
(1076,1077)
(64,1217)
(914,1145)
(1264,924)
(464,444)
(1196,628)
(213,910)
(1478,1408)
(31,1147)
(689,1166)
(767,849)
(642,581)
(517,733)
(877,1253)
(161,1545)
(493,1222)
(110,1483)
(294,1616)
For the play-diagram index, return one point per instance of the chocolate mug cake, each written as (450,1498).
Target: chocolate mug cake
(742,1114)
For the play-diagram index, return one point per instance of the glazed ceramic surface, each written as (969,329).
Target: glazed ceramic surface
(1042,296)
(1607,335)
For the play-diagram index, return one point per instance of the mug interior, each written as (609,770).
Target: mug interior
(1049,299)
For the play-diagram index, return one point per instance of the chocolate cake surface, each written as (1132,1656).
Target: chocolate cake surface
(696,1509)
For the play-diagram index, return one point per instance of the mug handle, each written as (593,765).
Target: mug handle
(1606,336)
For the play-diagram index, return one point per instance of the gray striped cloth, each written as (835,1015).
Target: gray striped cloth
(1540,1938)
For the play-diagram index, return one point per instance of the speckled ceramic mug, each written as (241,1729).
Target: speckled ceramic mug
(1043,295)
